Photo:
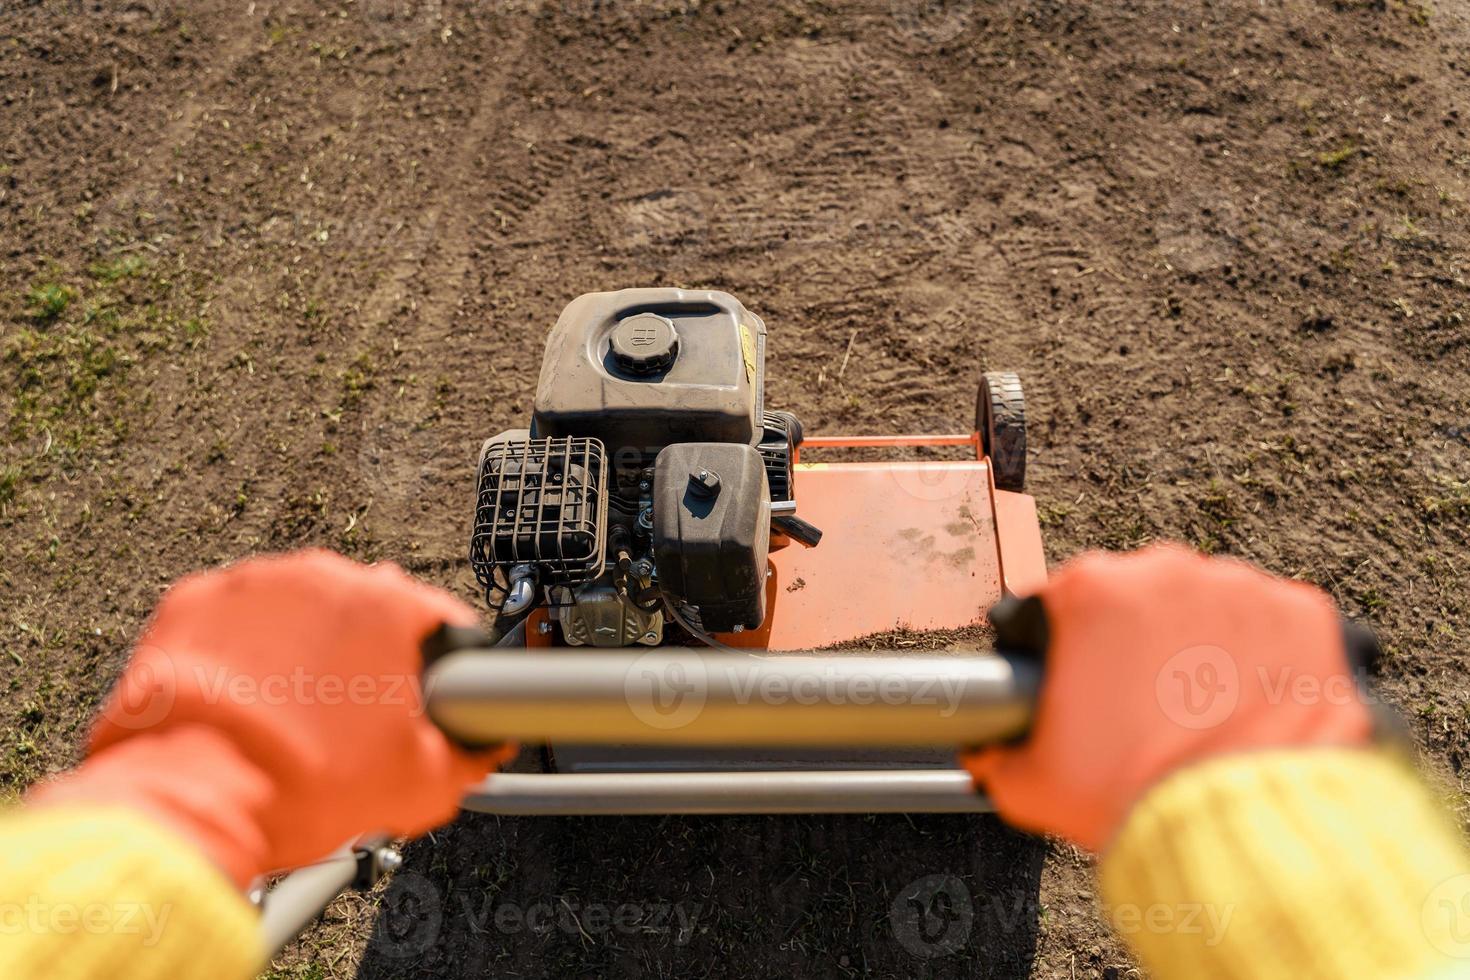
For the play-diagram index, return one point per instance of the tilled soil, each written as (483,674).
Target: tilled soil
(270,271)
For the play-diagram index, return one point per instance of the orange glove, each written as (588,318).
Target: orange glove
(1157,660)
(272,711)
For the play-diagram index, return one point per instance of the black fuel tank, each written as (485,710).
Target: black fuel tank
(641,369)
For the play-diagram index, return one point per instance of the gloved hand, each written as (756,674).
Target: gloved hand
(1157,660)
(272,711)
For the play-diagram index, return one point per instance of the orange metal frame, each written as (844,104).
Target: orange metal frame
(888,442)
(914,544)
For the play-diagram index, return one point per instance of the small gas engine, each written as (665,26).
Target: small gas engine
(650,479)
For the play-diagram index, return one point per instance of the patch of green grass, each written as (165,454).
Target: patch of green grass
(357,379)
(1053,515)
(93,362)
(47,301)
(1419,13)
(1453,502)
(1370,598)
(307,971)
(1122,531)
(123,267)
(1407,231)
(9,483)
(1218,504)
(323,50)
(20,765)
(1333,159)
(1399,187)
(64,376)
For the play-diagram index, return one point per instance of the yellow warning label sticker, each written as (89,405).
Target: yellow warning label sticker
(747,353)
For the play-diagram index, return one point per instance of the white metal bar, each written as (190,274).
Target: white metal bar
(670,696)
(299,898)
(834,791)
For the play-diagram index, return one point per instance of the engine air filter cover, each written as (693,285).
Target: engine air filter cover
(540,502)
(712,532)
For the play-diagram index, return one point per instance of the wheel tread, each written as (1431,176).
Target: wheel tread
(1000,417)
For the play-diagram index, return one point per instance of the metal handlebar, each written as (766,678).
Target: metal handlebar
(301,896)
(699,697)
(672,696)
(660,793)
(480,695)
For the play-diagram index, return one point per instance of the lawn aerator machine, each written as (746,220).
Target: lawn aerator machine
(655,494)
(658,542)
(656,499)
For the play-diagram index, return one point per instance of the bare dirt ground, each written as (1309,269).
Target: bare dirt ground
(269,272)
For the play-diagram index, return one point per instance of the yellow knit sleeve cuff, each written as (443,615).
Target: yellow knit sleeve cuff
(1301,863)
(105,892)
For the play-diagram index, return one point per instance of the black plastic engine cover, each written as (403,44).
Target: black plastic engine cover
(641,369)
(712,531)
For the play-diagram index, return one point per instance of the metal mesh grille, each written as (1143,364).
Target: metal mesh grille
(540,502)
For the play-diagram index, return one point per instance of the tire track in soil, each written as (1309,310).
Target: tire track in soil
(444,219)
(842,183)
(253,324)
(417,444)
(148,190)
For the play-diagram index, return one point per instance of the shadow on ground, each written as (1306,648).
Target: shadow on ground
(918,895)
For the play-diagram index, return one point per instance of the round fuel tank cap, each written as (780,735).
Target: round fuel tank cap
(645,344)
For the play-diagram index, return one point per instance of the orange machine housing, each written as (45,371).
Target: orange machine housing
(919,545)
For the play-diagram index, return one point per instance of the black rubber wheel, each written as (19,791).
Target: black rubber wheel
(1000,418)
